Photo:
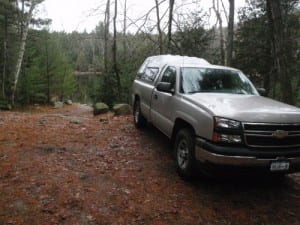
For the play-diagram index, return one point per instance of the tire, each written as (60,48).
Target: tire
(184,150)
(138,118)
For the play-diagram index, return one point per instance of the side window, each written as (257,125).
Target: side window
(142,68)
(150,74)
(169,76)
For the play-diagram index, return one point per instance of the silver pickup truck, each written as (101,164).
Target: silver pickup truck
(215,117)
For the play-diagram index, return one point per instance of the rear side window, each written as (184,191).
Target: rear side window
(150,74)
(142,68)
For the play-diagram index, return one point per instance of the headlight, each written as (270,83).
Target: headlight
(227,123)
(227,131)
(227,138)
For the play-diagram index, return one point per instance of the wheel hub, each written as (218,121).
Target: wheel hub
(136,114)
(182,154)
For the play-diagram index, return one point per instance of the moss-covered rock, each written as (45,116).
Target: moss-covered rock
(122,109)
(58,105)
(100,108)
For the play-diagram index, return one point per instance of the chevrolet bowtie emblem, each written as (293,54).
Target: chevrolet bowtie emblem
(280,134)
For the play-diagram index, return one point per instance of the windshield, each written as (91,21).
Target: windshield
(195,80)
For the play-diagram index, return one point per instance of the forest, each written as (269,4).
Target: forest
(38,65)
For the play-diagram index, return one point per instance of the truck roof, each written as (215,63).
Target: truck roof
(176,60)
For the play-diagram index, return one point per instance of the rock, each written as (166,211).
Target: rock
(103,120)
(58,105)
(69,102)
(84,176)
(75,120)
(100,108)
(122,109)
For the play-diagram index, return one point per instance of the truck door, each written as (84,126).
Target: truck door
(161,104)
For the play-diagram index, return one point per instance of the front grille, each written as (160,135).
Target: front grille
(271,127)
(272,135)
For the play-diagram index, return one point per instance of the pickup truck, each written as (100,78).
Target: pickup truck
(215,117)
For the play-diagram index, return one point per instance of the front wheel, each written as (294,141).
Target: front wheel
(184,149)
(138,118)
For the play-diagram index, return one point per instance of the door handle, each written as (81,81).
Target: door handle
(155,97)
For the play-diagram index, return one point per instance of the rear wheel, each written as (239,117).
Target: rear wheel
(184,149)
(138,118)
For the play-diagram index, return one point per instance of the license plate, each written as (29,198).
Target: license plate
(280,166)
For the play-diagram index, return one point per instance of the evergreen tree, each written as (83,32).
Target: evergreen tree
(255,48)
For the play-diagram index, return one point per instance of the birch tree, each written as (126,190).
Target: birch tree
(27,19)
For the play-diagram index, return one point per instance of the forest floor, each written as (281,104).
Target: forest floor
(66,166)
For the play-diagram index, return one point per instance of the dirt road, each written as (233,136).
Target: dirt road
(65,166)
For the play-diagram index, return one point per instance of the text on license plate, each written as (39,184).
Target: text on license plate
(280,166)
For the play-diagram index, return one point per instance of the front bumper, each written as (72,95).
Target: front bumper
(209,153)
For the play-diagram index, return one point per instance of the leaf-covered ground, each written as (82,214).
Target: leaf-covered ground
(65,166)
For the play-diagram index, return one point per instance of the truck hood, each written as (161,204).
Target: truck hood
(246,108)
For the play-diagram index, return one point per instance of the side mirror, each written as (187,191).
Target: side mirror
(165,87)
(262,91)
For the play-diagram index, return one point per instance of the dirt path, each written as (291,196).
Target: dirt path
(65,166)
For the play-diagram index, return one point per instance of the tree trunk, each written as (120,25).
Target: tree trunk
(216,8)
(230,33)
(47,70)
(298,85)
(22,19)
(106,35)
(171,7)
(114,50)
(125,30)
(160,38)
(5,40)
(21,51)
(266,83)
(279,39)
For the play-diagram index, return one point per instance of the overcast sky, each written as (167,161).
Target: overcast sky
(70,15)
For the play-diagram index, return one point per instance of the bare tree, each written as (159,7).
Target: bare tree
(106,34)
(230,33)
(114,50)
(216,8)
(125,28)
(171,8)
(144,19)
(160,34)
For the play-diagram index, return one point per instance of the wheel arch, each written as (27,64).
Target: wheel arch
(135,98)
(178,125)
